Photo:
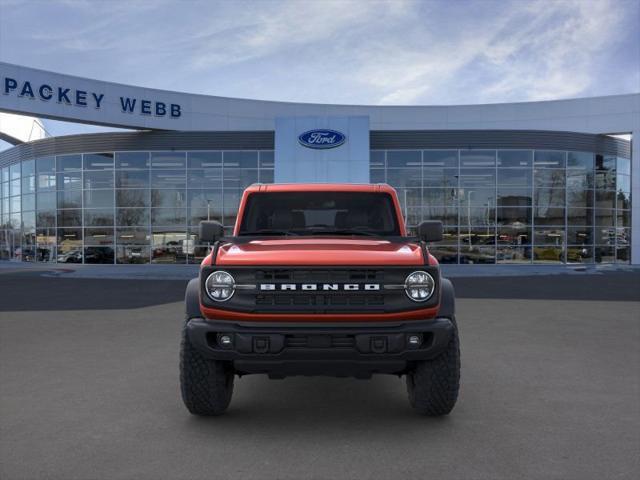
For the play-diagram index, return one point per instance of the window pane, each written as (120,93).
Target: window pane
(514,176)
(46,218)
(14,187)
(98,236)
(47,181)
(168,246)
(579,216)
(70,218)
(28,168)
(439,196)
(168,179)
(132,254)
(547,197)
(605,199)
(46,165)
(604,254)
(515,158)
(579,198)
(485,197)
(205,178)
(580,179)
(605,163)
(514,216)
(580,254)
(29,202)
(98,179)
(239,178)
(376,159)
(98,161)
(69,162)
(447,215)
(132,179)
(168,160)
(168,198)
(70,180)
(580,236)
(28,184)
(98,199)
(515,234)
(132,198)
(514,197)
(241,159)
(132,216)
(440,159)
(548,254)
(548,236)
(132,236)
(46,200)
(583,160)
(404,158)
(623,166)
(99,254)
(70,199)
(548,216)
(139,160)
(440,177)
(477,158)
(549,178)
(477,177)
(266,176)
(513,254)
(623,184)
(445,254)
(605,217)
(549,159)
(98,217)
(204,159)
(168,216)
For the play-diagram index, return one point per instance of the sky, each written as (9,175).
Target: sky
(395,52)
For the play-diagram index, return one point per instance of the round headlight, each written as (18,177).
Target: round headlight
(220,286)
(419,286)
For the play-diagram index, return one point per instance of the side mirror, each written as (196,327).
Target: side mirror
(211,231)
(430,231)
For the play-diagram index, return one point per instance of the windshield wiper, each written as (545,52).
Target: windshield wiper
(267,231)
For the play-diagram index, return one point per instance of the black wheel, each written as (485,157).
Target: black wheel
(206,385)
(433,385)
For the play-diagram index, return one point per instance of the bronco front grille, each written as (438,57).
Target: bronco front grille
(324,299)
(323,290)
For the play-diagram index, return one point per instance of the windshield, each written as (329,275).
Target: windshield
(319,213)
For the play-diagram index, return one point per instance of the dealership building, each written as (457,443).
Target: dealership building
(537,182)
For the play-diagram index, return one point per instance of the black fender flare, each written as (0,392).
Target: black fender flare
(447,299)
(192,299)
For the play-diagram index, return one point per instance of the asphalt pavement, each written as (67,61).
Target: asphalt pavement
(550,390)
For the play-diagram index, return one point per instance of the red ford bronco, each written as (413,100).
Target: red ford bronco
(319,279)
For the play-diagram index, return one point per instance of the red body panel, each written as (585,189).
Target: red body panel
(320,251)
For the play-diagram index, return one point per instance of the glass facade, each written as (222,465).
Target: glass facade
(497,206)
(515,206)
(122,207)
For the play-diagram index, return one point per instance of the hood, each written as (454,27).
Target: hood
(320,251)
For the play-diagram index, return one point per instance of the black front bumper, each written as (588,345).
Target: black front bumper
(336,349)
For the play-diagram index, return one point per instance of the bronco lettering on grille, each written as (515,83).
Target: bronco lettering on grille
(319,286)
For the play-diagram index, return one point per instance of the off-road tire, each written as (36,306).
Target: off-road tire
(433,385)
(206,385)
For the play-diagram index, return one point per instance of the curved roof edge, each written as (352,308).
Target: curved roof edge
(76,99)
(264,140)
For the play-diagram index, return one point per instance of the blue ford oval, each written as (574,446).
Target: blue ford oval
(322,138)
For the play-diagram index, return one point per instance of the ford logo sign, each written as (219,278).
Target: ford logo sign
(322,138)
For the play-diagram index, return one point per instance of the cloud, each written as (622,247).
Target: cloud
(337,51)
